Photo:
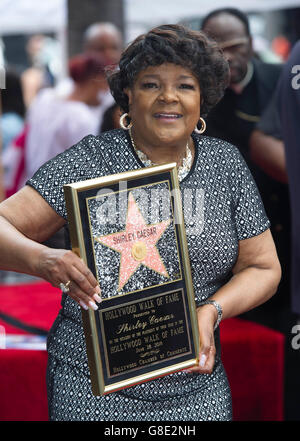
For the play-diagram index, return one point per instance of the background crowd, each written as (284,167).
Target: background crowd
(42,117)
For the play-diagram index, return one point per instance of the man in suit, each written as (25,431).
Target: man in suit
(234,118)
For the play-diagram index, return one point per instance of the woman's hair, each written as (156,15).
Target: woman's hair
(175,44)
(83,67)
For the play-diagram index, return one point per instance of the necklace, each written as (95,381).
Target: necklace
(183,169)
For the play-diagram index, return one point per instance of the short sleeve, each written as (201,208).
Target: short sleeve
(248,209)
(78,163)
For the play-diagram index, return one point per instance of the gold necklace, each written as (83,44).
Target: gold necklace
(183,169)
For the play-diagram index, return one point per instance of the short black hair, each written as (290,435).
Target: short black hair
(179,45)
(232,11)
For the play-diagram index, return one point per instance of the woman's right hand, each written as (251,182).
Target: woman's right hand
(61,266)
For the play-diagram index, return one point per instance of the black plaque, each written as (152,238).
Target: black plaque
(129,230)
(145,332)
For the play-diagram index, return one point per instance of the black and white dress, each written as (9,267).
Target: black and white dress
(228,209)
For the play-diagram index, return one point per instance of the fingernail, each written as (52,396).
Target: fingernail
(83,305)
(93,305)
(202,360)
(97,298)
(98,290)
(188,371)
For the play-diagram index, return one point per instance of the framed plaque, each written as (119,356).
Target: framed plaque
(129,230)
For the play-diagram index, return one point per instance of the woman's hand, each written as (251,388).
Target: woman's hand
(59,266)
(207,316)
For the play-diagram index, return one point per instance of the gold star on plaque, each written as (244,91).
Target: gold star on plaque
(137,244)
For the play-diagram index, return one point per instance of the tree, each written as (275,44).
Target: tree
(81,14)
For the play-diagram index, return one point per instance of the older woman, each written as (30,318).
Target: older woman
(168,79)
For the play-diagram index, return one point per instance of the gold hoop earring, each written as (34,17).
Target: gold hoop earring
(203,127)
(122,122)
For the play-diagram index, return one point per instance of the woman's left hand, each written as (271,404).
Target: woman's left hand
(207,316)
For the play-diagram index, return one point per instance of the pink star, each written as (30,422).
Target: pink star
(137,244)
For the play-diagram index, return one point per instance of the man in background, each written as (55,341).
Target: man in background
(275,146)
(103,39)
(234,118)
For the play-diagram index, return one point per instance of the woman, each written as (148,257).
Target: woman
(167,79)
(62,121)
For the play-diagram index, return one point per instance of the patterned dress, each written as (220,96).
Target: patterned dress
(226,208)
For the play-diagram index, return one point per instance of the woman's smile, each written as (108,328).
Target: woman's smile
(164,105)
(167,117)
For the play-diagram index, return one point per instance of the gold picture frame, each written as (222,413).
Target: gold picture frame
(146,326)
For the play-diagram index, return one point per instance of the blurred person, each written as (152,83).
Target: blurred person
(104,39)
(37,75)
(266,144)
(12,125)
(275,147)
(13,108)
(289,108)
(168,80)
(12,100)
(252,83)
(55,123)
(14,163)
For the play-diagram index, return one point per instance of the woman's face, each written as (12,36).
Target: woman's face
(164,105)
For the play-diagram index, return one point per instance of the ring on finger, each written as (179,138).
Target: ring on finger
(65,286)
